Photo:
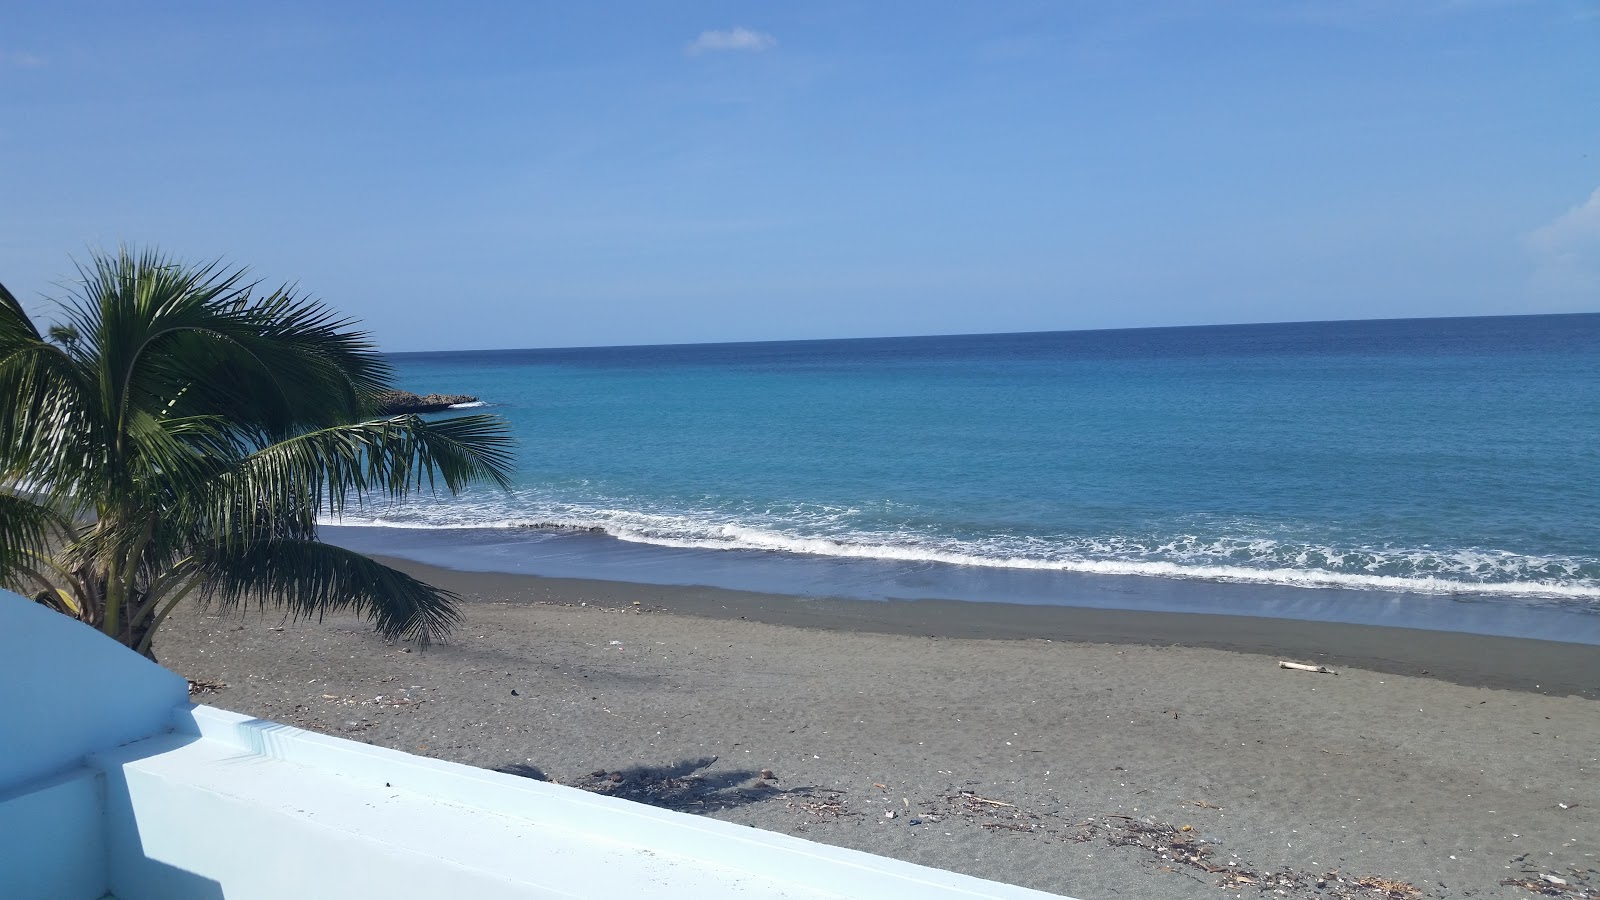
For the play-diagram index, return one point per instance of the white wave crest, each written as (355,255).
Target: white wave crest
(1242,560)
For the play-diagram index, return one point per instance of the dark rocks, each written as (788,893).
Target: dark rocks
(395,402)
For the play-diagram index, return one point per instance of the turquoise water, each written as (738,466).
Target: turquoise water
(1445,457)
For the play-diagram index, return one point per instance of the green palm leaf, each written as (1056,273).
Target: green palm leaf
(41,434)
(24,536)
(310,579)
(193,339)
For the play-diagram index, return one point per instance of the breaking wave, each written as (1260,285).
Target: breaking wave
(1252,558)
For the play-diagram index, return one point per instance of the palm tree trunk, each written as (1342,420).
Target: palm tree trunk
(140,637)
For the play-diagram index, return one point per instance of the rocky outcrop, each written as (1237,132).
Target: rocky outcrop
(395,402)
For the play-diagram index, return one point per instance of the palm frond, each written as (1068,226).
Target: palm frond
(392,458)
(15,326)
(44,433)
(311,579)
(25,526)
(176,456)
(195,339)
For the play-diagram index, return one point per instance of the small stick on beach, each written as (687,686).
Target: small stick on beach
(969,795)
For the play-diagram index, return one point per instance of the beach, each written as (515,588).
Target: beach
(1088,752)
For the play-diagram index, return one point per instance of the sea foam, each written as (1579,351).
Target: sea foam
(1249,559)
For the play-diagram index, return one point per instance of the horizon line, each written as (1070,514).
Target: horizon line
(967,334)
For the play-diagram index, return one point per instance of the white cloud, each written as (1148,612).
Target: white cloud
(1566,252)
(20,59)
(737,38)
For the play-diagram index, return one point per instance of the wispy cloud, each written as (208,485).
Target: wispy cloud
(1567,250)
(737,38)
(20,59)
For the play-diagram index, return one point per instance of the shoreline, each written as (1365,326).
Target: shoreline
(1522,664)
(494,551)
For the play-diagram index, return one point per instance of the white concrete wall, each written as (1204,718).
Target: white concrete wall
(52,840)
(67,690)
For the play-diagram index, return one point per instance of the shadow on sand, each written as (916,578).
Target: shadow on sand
(683,786)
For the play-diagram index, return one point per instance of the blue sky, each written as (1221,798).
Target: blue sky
(556,174)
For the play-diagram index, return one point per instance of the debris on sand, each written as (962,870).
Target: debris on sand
(1574,884)
(197,687)
(820,803)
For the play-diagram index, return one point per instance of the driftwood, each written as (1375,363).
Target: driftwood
(1302,667)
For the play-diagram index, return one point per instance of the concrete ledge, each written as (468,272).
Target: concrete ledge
(500,834)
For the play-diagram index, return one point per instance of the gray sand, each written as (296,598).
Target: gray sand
(1069,750)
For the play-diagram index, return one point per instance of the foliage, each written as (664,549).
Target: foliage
(180,433)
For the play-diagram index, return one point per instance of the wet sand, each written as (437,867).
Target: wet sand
(1049,747)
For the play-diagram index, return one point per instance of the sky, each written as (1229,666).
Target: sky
(540,174)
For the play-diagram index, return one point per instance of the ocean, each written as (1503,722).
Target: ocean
(1434,472)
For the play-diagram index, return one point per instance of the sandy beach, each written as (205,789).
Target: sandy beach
(1090,753)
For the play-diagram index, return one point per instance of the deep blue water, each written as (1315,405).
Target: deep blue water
(1439,457)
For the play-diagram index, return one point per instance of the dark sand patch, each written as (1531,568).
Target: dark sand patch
(1470,659)
(1070,762)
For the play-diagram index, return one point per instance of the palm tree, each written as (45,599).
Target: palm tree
(65,335)
(185,443)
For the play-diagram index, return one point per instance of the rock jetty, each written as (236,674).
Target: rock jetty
(396,402)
